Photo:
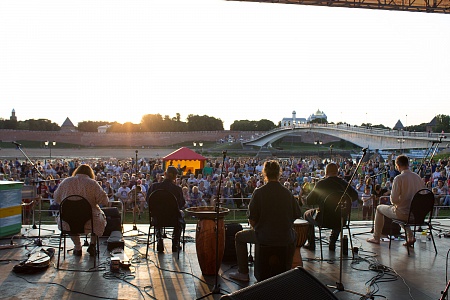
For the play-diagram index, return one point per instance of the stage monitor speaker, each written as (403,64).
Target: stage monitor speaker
(387,227)
(294,284)
(229,253)
(113,220)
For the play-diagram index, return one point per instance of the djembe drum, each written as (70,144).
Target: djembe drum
(301,228)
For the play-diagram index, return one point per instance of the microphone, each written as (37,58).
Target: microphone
(364,149)
(16,143)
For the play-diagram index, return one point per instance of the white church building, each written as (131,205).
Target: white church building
(289,122)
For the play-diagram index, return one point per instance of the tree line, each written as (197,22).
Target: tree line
(158,123)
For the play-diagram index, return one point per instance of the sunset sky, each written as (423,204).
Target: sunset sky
(119,60)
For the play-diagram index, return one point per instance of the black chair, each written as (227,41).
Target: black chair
(164,212)
(75,210)
(422,205)
(330,215)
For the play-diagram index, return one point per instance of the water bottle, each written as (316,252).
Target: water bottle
(345,245)
(423,236)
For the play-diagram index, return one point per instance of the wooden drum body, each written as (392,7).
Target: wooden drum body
(205,237)
(301,228)
(205,243)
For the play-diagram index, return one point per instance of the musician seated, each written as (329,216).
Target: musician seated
(83,183)
(271,213)
(332,183)
(168,184)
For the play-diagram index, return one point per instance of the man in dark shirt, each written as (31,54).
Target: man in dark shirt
(271,213)
(331,184)
(168,184)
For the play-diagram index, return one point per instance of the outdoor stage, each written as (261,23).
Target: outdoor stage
(162,276)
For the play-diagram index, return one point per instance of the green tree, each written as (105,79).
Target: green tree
(265,125)
(40,125)
(246,125)
(442,123)
(203,123)
(152,122)
(8,124)
(418,128)
(243,125)
(90,126)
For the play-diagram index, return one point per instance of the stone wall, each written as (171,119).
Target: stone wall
(147,139)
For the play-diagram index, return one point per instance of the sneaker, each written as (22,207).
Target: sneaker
(91,250)
(160,246)
(239,276)
(77,252)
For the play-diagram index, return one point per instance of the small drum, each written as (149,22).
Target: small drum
(301,228)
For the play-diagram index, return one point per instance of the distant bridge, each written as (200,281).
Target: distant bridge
(373,138)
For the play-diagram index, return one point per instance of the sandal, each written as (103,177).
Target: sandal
(410,243)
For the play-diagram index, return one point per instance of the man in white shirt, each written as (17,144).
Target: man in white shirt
(404,187)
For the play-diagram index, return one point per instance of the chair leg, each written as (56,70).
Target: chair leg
(148,240)
(432,238)
(389,236)
(184,231)
(320,242)
(98,249)
(406,235)
(351,242)
(59,250)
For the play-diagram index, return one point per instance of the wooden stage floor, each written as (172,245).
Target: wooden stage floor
(394,274)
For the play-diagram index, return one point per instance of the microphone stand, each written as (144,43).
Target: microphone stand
(216,288)
(38,240)
(433,148)
(343,208)
(135,203)
(374,206)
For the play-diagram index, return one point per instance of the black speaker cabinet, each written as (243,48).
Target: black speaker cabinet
(113,220)
(229,254)
(295,284)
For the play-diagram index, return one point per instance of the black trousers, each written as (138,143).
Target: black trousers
(310,217)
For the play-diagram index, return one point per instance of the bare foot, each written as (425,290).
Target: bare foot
(373,241)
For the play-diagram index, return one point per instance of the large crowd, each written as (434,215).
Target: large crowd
(128,181)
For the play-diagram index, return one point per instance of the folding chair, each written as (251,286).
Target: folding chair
(330,216)
(75,210)
(164,212)
(422,205)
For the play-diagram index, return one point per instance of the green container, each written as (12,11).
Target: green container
(10,207)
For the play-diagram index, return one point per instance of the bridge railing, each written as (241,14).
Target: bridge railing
(351,128)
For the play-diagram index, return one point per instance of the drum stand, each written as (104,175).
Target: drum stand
(216,288)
